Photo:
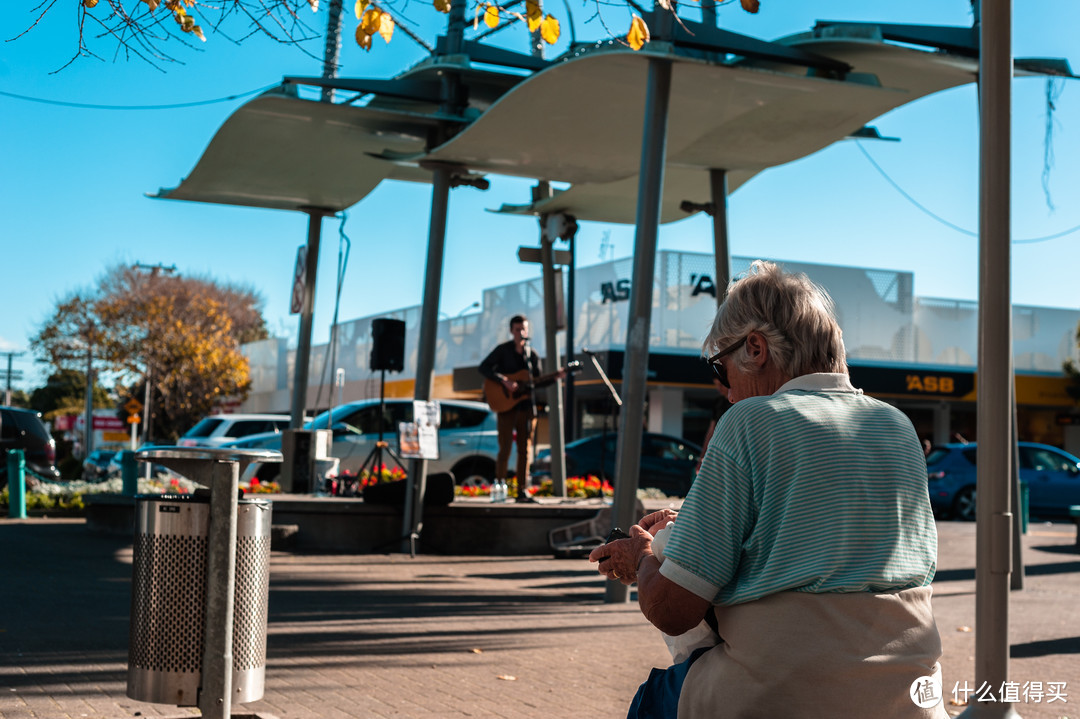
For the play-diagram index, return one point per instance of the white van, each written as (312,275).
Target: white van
(216,430)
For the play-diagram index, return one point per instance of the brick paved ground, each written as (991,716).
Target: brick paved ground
(393,636)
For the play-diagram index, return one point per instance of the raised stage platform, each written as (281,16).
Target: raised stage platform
(334,524)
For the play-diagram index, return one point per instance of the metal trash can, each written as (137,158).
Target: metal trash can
(168,598)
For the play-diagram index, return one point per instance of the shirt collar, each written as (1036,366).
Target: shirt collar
(819,382)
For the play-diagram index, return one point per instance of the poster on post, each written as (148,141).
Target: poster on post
(419,439)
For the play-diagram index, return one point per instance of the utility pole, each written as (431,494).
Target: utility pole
(155,270)
(11,374)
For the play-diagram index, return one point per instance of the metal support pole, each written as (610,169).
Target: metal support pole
(635,370)
(718,188)
(303,343)
(993,534)
(215,694)
(16,476)
(556,438)
(88,430)
(416,478)
(129,474)
(570,413)
(708,12)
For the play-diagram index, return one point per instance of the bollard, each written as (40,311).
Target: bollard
(1024,494)
(16,472)
(129,474)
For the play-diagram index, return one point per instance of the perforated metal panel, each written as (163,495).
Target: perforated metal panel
(168,599)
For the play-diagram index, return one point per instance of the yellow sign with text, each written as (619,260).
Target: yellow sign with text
(930,384)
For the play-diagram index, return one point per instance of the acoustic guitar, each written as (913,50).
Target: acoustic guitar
(500,400)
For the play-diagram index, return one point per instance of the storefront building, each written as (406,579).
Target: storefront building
(917,353)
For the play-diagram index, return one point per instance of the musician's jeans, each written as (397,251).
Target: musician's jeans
(517,421)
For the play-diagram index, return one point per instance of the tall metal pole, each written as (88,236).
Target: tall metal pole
(88,431)
(551,364)
(215,693)
(650,191)
(993,534)
(303,343)
(416,479)
(425,352)
(570,424)
(721,246)
(333,48)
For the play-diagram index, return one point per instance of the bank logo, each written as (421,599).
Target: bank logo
(925,692)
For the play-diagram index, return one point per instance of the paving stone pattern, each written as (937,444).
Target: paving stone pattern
(433,637)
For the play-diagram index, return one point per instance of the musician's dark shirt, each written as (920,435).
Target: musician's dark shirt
(505,360)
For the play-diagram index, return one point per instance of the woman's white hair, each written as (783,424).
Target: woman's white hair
(795,316)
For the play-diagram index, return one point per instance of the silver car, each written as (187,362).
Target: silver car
(468,439)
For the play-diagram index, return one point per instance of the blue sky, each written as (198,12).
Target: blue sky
(75,180)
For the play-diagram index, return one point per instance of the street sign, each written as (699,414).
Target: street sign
(133,406)
(133,419)
(532,254)
(299,281)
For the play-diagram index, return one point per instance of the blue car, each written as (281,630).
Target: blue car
(1052,476)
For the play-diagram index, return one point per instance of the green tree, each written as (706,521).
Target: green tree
(184,333)
(65,393)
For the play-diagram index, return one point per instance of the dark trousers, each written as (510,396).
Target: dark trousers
(518,421)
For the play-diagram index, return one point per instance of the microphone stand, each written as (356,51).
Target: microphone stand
(614,397)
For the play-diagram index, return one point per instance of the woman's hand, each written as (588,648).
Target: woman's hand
(654,522)
(619,560)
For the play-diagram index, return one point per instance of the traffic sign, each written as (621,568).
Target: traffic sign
(133,419)
(133,406)
(532,254)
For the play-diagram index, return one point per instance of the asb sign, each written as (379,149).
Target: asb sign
(620,290)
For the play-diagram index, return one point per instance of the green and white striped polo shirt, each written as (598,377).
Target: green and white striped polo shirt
(815,488)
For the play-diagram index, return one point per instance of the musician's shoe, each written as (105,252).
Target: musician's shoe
(525,499)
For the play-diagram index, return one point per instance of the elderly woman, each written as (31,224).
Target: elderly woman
(808,533)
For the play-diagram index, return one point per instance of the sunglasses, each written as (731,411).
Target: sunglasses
(718,367)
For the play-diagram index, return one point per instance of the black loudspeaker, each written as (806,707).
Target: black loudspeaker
(388,345)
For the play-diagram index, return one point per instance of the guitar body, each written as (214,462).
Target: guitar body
(500,400)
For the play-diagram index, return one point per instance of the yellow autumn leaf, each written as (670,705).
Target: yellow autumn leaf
(638,35)
(363,39)
(549,30)
(442,5)
(386,26)
(370,22)
(197,31)
(491,16)
(750,6)
(153,4)
(359,8)
(533,14)
(314,5)
(90,3)
(187,23)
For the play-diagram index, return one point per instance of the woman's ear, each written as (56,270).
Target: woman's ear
(757,348)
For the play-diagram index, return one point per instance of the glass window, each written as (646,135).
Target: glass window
(1043,460)
(248,426)
(454,417)
(969,455)
(204,428)
(936,455)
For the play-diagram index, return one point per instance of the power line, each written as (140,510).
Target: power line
(91,106)
(941,219)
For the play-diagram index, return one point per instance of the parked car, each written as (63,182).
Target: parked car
(216,430)
(1052,476)
(468,438)
(23,429)
(667,463)
(96,466)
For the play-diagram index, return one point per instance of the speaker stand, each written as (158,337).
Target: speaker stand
(374,461)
